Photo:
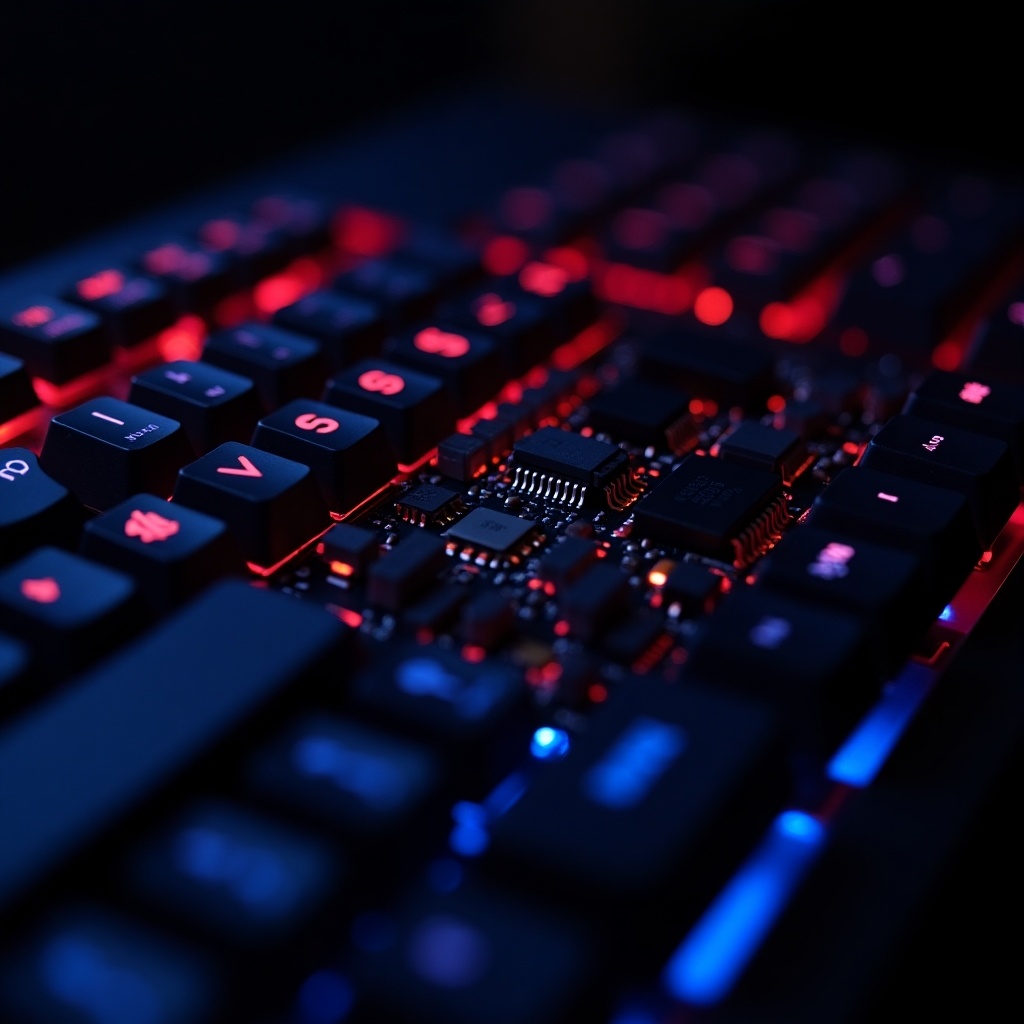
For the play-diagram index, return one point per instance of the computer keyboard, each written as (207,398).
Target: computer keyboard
(515,565)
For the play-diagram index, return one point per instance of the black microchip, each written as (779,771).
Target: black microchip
(714,508)
(487,535)
(753,444)
(645,413)
(429,504)
(569,469)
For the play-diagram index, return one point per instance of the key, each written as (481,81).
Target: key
(814,662)
(348,453)
(883,586)
(997,351)
(69,609)
(271,505)
(454,264)
(348,327)
(206,669)
(303,220)
(520,323)
(414,408)
(16,396)
(988,406)
(106,450)
(365,783)
(254,247)
(901,513)
(55,340)
(403,289)
(133,307)
(408,569)
(34,508)
(212,405)
(171,551)
(730,373)
(195,277)
(460,957)
(469,363)
(281,364)
(667,784)
(977,466)
(84,963)
(241,875)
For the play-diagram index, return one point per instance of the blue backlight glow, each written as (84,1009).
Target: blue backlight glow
(707,963)
(549,744)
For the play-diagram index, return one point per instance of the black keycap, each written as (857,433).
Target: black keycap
(932,521)
(408,569)
(753,444)
(461,957)
(816,664)
(171,551)
(69,609)
(462,456)
(55,340)
(34,509)
(348,550)
(469,363)
(212,405)
(348,453)
(415,409)
(348,327)
(403,289)
(453,263)
(16,396)
(272,506)
(644,413)
(521,324)
(254,247)
(997,351)
(106,450)
(303,220)
(709,506)
(979,467)
(727,372)
(885,587)
(83,963)
(132,306)
(245,877)
(594,600)
(164,701)
(364,782)
(569,300)
(988,406)
(281,364)
(666,789)
(195,277)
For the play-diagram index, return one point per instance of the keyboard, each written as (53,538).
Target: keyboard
(516,564)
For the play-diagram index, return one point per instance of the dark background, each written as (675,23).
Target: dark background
(107,107)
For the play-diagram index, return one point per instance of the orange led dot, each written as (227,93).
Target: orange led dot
(713,306)
(658,576)
(342,569)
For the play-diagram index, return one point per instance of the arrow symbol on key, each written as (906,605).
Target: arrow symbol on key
(248,469)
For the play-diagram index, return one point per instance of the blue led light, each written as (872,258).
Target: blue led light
(948,613)
(549,744)
(706,964)
(858,760)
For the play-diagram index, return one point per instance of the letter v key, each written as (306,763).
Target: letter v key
(248,469)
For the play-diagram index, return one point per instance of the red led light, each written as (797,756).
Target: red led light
(315,423)
(473,653)
(442,343)
(561,628)
(543,279)
(34,316)
(946,356)
(183,339)
(713,306)
(491,310)
(150,527)
(233,310)
(350,617)
(598,693)
(504,255)
(572,261)
(620,283)
(776,403)
(366,232)
(342,569)
(42,591)
(100,285)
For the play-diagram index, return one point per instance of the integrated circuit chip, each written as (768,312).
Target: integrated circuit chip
(429,504)
(496,538)
(568,469)
(646,413)
(719,509)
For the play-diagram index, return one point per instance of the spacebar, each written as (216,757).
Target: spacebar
(87,756)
